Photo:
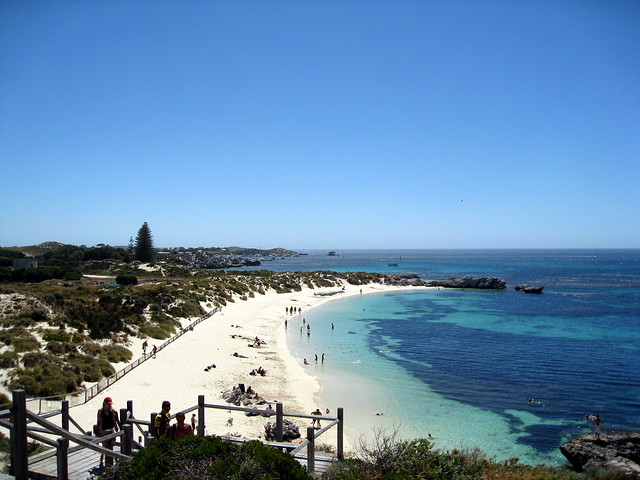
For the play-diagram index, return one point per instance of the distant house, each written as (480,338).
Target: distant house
(20,263)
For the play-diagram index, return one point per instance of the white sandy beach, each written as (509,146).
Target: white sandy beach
(178,372)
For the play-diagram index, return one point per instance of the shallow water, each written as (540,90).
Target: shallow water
(511,373)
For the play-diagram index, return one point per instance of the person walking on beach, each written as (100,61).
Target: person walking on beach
(107,423)
(161,422)
(316,421)
(193,422)
(145,344)
(155,350)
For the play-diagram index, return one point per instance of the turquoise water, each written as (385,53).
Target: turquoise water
(510,373)
(379,394)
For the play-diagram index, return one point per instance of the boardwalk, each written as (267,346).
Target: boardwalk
(76,456)
(83,465)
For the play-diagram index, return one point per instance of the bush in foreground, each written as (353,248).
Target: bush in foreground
(208,458)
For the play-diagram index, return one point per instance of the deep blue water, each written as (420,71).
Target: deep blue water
(572,350)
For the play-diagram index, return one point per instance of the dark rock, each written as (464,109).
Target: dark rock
(413,280)
(529,288)
(239,397)
(485,283)
(616,451)
(290,431)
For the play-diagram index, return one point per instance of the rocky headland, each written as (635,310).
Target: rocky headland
(615,451)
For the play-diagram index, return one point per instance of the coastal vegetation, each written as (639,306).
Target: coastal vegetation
(211,457)
(60,332)
(208,458)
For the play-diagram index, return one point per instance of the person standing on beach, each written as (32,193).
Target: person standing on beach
(193,422)
(155,350)
(145,344)
(597,423)
(161,422)
(107,422)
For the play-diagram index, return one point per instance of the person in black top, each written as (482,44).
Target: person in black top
(107,422)
(161,422)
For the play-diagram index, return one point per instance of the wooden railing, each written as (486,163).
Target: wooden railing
(24,424)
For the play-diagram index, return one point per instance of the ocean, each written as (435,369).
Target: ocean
(513,374)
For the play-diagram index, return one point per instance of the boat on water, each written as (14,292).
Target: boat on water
(392,264)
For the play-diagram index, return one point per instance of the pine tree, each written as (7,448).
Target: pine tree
(144,244)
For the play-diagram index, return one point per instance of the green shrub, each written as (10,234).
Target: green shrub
(208,458)
(389,459)
(72,275)
(23,341)
(8,359)
(39,315)
(88,368)
(60,348)
(45,379)
(126,280)
(55,335)
(160,326)
(116,353)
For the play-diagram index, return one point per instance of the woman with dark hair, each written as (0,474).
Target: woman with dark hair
(107,422)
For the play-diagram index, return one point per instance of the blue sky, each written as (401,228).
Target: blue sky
(321,124)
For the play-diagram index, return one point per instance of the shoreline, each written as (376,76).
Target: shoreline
(178,373)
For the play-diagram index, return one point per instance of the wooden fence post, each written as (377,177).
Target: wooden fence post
(127,439)
(130,408)
(279,422)
(62,454)
(65,415)
(340,440)
(201,424)
(19,458)
(152,431)
(124,416)
(311,450)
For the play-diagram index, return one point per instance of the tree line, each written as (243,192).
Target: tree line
(65,261)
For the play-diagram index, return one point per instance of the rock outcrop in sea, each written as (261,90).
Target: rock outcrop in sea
(615,451)
(485,283)
(529,288)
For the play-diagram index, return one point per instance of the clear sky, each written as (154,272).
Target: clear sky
(321,124)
